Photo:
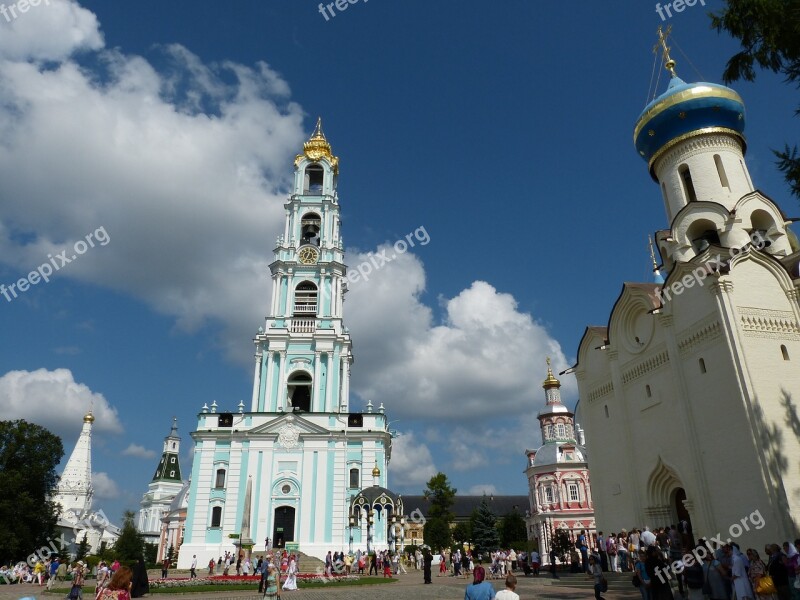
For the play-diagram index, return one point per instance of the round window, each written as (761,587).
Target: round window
(286,488)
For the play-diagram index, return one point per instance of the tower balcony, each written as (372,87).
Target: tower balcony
(302,325)
(305,308)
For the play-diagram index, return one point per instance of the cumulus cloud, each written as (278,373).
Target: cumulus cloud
(53,399)
(477,363)
(52,30)
(138,451)
(194,172)
(104,486)
(412,462)
(481,489)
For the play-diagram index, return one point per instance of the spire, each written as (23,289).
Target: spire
(317,147)
(174,431)
(669,64)
(657,276)
(551,381)
(169,468)
(74,491)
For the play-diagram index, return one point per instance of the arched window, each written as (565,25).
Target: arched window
(299,391)
(703,233)
(561,431)
(723,178)
(216,516)
(220,481)
(702,365)
(761,223)
(784,352)
(315,176)
(305,298)
(355,480)
(688,185)
(309,229)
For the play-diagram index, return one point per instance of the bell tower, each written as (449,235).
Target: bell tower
(303,354)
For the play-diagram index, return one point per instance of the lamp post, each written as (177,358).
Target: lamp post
(370,516)
(393,534)
(351,523)
(402,534)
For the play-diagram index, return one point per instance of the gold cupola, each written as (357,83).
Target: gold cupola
(550,381)
(88,417)
(318,147)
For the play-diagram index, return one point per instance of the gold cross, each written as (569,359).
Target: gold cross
(669,64)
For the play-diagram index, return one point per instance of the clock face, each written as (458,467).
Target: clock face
(308,255)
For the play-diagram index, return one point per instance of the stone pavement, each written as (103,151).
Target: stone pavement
(570,587)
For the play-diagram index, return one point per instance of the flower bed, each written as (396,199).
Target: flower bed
(223,580)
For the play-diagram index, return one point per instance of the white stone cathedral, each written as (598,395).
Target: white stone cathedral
(288,469)
(689,395)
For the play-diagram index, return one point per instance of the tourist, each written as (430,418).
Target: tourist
(387,565)
(658,572)
(715,577)
(583,547)
(508,593)
(611,549)
(641,573)
(115,567)
(596,573)
(427,559)
(622,551)
(139,583)
(479,589)
(291,576)
(601,548)
(648,537)
(272,587)
(694,575)
(792,562)
(777,569)
(757,570)
(103,577)
(165,568)
(193,567)
(741,582)
(119,587)
(78,576)
(553,569)
(535,561)
(53,573)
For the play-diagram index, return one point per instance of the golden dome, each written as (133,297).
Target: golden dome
(551,380)
(317,147)
(376,472)
(88,418)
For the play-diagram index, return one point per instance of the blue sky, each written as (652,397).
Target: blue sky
(503,129)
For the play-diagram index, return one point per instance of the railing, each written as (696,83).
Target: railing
(305,307)
(302,325)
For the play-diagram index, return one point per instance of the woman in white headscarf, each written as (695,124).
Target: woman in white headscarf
(291,575)
(741,582)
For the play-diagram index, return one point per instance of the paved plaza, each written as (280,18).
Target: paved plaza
(570,587)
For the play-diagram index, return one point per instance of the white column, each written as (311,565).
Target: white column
(315,395)
(345,399)
(289,308)
(328,378)
(256,383)
(276,289)
(281,395)
(286,229)
(269,360)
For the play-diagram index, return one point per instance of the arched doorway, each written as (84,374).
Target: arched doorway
(283,528)
(684,523)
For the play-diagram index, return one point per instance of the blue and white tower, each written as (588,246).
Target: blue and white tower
(306,455)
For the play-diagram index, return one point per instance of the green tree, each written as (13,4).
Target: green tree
(130,544)
(560,542)
(462,533)
(769,33)
(439,494)
(151,553)
(82,551)
(28,458)
(512,529)
(484,528)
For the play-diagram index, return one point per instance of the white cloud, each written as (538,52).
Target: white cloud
(53,399)
(481,489)
(104,486)
(486,359)
(139,451)
(412,462)
(193,174)
(52,30)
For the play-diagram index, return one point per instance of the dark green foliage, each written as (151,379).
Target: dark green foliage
(462,533)
(29,455)
(512,528)
(485,537)
(769,33)
(561,543)
(130,544)
(83,549)
(151,553)
(439,494)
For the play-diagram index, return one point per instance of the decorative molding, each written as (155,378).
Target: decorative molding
(766,323)
(657,360)
(698,334)
(599,392)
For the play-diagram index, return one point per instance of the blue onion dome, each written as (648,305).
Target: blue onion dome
(686,110)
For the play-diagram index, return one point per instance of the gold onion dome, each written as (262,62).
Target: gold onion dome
(376,472)
(317,147)
(88,418)
(550,381)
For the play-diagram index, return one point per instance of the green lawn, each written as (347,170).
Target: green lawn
(233,587)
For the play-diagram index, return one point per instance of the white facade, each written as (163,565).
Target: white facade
(688,396)
(305,454)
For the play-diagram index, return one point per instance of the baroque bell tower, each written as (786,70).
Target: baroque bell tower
(308,288)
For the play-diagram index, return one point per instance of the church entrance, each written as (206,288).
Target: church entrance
(283,530)
(684,523)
